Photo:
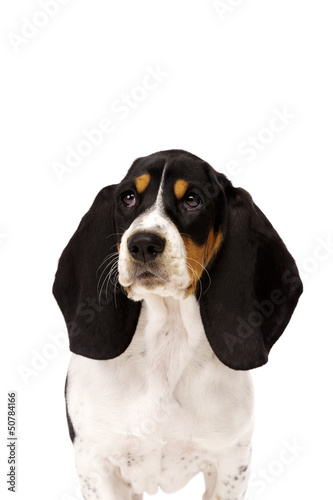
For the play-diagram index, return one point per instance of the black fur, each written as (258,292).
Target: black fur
(254,285)
(69,421)
(99,327)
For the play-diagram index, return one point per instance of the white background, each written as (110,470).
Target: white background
(225,75)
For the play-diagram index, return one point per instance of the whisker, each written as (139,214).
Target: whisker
(101,290)
(203,267)
(113,254)
(108,257)
(109,267)
(113,234)
(115,291)
(198,280)
(107,284)
(111,263)
(112,271)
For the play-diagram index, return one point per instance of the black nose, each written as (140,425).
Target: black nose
(145,246)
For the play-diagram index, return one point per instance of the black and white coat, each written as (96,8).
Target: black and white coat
(173,287)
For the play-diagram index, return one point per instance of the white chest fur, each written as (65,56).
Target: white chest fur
(163,410)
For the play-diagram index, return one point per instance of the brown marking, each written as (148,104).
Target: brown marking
(142,182)
(218,497)
(180,188)
(198,257)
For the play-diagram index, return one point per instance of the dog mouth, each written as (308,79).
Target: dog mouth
(148,278)
(153,276)
(146,275)
(157,282)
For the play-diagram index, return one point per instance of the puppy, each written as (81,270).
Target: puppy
(173,287)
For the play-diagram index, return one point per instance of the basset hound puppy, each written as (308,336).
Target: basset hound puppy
(173,287)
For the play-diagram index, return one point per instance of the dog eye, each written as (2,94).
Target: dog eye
(192,201)
(128,199)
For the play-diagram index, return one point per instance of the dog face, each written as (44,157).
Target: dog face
(170,209)
(179,228)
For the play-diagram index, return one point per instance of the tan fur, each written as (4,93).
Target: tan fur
(199,257)
(180,188)
(142,182)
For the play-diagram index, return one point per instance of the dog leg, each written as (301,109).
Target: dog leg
(99,480)
(210,483)
(230,478)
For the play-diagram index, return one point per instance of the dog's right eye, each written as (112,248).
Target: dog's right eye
(128,199)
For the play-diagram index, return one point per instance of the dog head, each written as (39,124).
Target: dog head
(175,227)
(170,213)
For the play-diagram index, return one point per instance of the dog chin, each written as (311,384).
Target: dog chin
(139,291)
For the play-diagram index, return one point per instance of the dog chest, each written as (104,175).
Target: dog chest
(154,463)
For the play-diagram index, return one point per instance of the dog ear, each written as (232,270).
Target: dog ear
(101,320)
(254,289)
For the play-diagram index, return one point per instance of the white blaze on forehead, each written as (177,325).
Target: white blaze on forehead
(171,265)
(155,217)
(158,205)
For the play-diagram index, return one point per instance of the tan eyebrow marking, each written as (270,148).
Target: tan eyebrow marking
(180,188)
(142,182)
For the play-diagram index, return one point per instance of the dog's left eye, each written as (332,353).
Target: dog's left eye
(192,201)
(128,199)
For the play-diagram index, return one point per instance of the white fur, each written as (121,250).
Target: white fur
(172,267)
(172,263)
(166,408)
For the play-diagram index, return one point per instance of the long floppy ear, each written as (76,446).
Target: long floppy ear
(254,286)
(100,323)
